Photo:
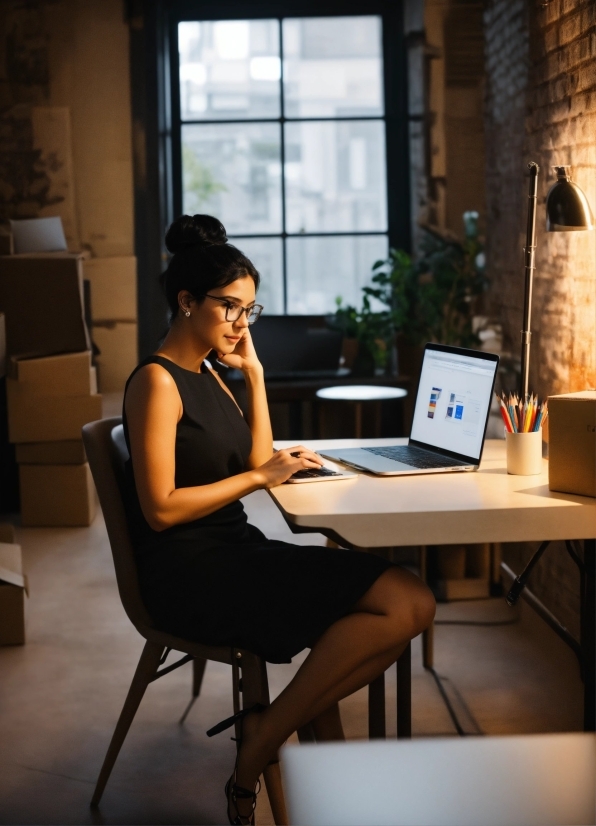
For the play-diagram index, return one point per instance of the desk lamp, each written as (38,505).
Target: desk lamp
(567,210)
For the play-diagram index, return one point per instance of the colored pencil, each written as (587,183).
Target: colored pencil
(505,417)
(527,416)
(534,414)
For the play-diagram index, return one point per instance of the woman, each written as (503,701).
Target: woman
(205,573)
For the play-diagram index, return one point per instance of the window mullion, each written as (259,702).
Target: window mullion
(283,169)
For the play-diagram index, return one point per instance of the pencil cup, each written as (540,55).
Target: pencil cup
(524,453)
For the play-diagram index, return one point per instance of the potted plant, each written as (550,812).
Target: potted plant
(431,299)
(436,297)
(367,336)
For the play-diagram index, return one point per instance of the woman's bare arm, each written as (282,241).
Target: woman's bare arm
(258,418)
(153,410)
(245,358)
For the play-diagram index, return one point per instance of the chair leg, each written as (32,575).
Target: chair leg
(148,665)
(255,689)
(198,672)
(275,793)
(428,647)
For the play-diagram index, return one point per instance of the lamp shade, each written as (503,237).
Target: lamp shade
(567,208)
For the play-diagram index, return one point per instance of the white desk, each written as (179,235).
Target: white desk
(450,508)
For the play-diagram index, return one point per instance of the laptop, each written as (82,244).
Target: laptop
(294,347)
(450,418)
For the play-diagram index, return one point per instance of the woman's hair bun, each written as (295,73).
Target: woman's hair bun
(195,230)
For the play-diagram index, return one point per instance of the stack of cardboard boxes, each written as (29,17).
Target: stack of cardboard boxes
(113,282)
(49,401)
(51,386)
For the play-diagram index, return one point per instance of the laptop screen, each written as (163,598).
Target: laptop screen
(453,400)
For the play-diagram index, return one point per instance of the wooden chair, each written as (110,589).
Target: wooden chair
(107,452)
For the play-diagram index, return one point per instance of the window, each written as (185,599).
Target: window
(281,132)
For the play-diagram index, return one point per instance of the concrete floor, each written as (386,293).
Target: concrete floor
(61,693)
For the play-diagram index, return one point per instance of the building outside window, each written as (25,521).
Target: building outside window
(282,136)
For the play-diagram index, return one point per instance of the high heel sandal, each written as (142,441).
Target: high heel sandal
(233,791)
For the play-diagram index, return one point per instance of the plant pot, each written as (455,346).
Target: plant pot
(364,363)
(349,351)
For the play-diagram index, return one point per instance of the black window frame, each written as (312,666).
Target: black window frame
(156,122)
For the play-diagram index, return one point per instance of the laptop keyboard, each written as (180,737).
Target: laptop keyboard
(413,457)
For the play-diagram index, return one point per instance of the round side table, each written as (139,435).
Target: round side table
(357,394)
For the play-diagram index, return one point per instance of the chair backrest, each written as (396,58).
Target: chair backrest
(106,451)
(537,780)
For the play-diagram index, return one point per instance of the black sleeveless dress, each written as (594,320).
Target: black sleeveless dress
(218,580)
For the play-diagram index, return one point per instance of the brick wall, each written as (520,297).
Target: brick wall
(540,105)
(561,128)
(507,69)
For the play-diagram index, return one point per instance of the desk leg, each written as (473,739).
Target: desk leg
(376,708)
(306,734)
(428,636)
(588,634)
(404,694)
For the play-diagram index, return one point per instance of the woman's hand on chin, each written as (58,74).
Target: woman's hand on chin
(243,357)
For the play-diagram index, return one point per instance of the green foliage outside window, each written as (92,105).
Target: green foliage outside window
(199,180)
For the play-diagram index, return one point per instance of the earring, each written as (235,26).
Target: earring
(187,313)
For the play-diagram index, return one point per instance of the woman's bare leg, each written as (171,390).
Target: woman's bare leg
(349,655)
(327,726)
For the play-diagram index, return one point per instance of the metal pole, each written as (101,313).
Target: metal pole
(588,635)
(529,251)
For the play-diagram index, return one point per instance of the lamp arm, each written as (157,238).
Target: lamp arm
(529,254)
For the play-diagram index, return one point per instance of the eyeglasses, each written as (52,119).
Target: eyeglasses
(234,311)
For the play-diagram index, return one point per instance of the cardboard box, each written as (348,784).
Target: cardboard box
(119,354)
(51,453)
(56,495)
(70,374)
(13,586)
(113,287)
(33,418)
(572,443)
(42,298)
(2,345)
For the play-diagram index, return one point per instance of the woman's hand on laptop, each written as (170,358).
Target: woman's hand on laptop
(286,462)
